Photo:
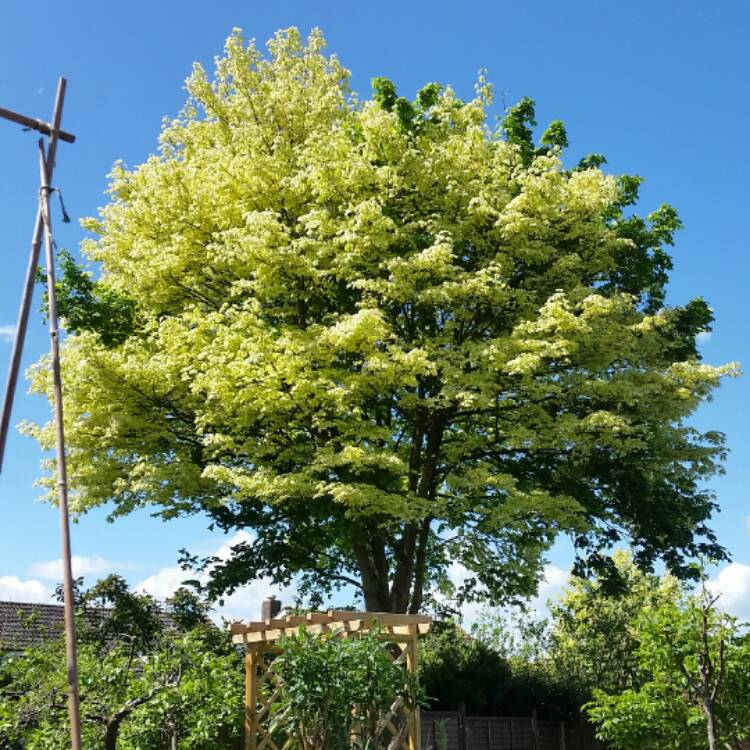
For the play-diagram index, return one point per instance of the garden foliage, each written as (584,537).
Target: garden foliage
(149,679)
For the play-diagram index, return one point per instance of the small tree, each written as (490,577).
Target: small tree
(144,684)
(697,659)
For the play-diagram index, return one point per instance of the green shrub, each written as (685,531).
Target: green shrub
(456,668)
(335,691)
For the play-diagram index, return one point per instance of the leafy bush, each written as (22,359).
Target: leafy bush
(695,696)
(456,668)
(334,692)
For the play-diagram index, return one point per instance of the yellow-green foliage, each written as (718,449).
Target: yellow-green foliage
(383,310)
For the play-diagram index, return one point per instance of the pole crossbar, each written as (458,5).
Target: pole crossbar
(43,230)
(29,122)
(36,242)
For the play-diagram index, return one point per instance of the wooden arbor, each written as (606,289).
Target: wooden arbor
(262,684)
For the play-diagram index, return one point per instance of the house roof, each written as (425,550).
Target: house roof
(25,624)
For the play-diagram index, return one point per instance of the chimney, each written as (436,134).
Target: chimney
(270,608)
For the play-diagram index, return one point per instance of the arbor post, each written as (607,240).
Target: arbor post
(251,697)
(412,665)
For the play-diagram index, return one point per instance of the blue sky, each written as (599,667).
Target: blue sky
(659,87)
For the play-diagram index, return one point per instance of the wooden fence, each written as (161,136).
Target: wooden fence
(453,730)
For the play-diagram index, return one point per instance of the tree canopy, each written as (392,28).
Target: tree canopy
(696,665)
(382,336)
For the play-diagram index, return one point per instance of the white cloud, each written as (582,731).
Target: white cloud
(703,337)
(15,590)
(51,570)
(553,582)
(7,333)
(732,583)
(243,604)
(550,588)
(163,583)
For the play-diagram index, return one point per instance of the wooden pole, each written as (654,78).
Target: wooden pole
(36,242)
(62,474)
(18,341)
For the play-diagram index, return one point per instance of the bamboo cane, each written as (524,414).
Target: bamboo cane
(62,477)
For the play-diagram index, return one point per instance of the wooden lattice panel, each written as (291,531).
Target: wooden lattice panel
(399,728)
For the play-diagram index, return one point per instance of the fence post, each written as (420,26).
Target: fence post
(562,735)
(534,730)
(462,726)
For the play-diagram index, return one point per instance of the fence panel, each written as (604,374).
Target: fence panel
(548,735)
(498,733)
(440,729)
(450,730)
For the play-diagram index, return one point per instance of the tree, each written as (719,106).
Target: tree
(383,337)
(593,639)
(589,641)
(697,665)
(145,684)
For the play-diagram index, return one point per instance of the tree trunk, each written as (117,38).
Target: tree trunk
(111,733)
(402,577)
(398,586)
(420,567)
(710,728)
(371,559)
(112,729)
